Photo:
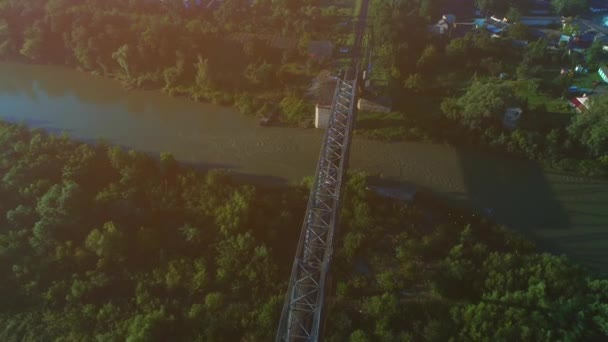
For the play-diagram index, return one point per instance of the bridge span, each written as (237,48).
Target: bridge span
(302,315)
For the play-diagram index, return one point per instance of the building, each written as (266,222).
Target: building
(497,26)
(603,72)
(581,104)
(322,113)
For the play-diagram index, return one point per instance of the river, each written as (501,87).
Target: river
(564,213)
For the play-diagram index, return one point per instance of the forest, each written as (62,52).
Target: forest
(100,243)
(455,87)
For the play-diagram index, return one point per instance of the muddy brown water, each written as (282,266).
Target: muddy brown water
(564,213)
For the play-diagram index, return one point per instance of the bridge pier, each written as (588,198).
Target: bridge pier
(322,114)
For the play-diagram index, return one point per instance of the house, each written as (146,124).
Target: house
(497,26)
(603,72)
(511,118)
(581,104)
(579,44)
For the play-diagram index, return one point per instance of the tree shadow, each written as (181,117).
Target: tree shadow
(561,218)
(513,192)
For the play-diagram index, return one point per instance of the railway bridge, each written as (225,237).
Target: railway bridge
(309,284)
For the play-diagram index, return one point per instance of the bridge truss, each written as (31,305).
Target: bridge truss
(301,316)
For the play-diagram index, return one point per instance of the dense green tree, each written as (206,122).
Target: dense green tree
(109,242)
(529,298)
(591,127)
(513,15)
(519,31)
(483,104)
(595,54)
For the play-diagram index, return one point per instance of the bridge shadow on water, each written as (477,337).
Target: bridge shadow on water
(563,214)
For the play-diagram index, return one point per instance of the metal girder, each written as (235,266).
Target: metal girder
(302,311)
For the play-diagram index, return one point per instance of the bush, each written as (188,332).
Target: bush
(296,110)
(244,103)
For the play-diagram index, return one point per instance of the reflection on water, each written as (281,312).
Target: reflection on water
(548,206)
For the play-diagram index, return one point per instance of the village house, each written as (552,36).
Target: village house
(581,104)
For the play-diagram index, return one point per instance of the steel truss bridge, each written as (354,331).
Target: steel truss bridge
(302,315)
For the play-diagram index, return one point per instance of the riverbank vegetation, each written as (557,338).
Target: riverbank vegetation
(261,57)
(455,87)
(248,54)
(98,243)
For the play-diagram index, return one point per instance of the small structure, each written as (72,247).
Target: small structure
(322,113)
(497,26)
(511,117)
(603,72)
(449,18)
(444,25)
(581,104)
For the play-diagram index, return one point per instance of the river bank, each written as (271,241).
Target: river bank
(563,212)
